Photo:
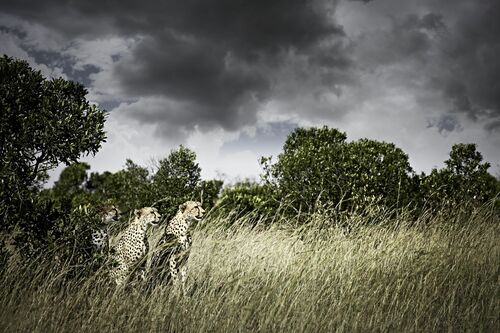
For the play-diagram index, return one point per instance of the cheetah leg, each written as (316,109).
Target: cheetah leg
(178,272)
(143,275)
(120,276)
(183,275)
(178,275)
(174,270)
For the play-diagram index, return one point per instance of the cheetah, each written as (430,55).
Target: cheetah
(175,244)
(100,237)
(132,244)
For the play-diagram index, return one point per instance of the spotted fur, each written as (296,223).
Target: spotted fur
(174,246)
(132,245)
(100,236)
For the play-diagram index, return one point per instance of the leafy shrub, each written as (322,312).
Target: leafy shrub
(465,179)
(248,197)
(42,123)
(129,188)
(378,171)
(208,192)
(175,180)
(318,167)
(48,233)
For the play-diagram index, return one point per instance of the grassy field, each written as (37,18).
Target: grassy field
(439,277)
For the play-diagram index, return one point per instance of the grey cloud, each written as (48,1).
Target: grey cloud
(451,50)
(456,92)
(218,59)
(493,126)
(213,62)
(446,123)
(249,27)
(265,139)
(431,21)
(474,66)
(193,73)
(409,38)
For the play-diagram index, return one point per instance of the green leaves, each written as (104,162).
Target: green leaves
(319,167)
(42,123)
(176,179)
(248,197)
(465,179)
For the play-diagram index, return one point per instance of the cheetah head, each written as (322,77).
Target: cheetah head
(109,213)
(147,215)
(192,210)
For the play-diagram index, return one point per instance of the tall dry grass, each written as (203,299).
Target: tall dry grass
(442,276)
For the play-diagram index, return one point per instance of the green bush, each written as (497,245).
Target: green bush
(378,171)
(42,123)
(129,188)
(318,167)
(465,179)
(175,180)
(47,232)
(248,197)
(208,192)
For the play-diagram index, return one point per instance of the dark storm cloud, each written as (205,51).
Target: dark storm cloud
(446,123)
(193,72)
(220,56)
(216,58)
(410,37)
(212,62)
(248,26)
(469,51)
(453,46)
(473,52)
(493,126)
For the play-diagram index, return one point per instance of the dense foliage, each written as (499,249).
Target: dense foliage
(246,197)
(176,179)
(318,167)
(465,179)
(42,123)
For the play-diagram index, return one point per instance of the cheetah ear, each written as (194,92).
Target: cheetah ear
(137,212)
(182,206)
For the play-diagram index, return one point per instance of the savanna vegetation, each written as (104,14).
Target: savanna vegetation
(337,235)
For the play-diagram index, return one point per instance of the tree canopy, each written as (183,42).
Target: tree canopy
(318,166)
(43,122)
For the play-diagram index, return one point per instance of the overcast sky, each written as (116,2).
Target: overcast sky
(231,78)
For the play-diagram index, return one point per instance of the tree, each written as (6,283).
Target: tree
(70,184)
(129,188)
(42,123)
(319,167)
(466,161)
(378,172)
(208,191)
(176,179)
(310,166)
(248,198)
(464,180)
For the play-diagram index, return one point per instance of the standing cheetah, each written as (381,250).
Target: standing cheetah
(132,245)
(175,244)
